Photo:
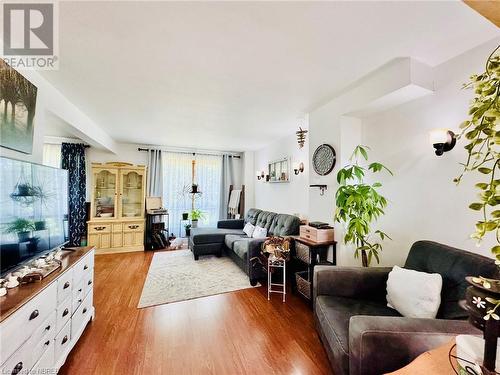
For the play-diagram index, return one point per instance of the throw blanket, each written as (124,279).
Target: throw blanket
(234,202)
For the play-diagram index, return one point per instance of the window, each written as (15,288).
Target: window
(52,155)
(177,180)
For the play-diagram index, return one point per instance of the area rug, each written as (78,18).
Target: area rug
(175,276)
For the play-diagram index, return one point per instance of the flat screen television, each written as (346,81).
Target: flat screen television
(33,211)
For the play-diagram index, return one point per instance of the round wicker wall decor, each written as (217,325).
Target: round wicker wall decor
(324,159)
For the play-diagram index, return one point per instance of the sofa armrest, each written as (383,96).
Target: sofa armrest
(255,247)
(381,344)
(353,282)
(231,224)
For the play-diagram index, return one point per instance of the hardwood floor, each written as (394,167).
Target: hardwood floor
(233,333)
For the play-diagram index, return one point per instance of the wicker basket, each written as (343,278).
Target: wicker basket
(303,283)
(302,252)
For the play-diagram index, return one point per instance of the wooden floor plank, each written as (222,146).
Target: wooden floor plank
(232,333)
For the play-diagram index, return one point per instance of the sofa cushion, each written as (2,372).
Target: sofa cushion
(231,238)
(265,219)
(285,225)
(453,265)
(240,247)
(211,235)
(333,315)
(252,215)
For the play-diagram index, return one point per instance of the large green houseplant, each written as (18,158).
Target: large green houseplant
(359,204)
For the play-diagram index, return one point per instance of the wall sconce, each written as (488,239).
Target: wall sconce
(298,168)
(443,140)
(260,175)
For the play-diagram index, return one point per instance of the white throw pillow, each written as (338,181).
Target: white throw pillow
(414,294)
(248,229)
(259,232)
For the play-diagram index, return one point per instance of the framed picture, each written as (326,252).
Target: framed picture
(17,110)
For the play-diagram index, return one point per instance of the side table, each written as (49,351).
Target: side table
(273,263)
(306,256)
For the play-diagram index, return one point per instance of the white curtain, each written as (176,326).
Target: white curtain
(52,155)
(177,182)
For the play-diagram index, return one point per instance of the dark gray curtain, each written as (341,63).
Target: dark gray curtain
(73,160)
(227,179)
(155,174)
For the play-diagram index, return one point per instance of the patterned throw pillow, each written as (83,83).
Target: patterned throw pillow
(259,232)
(248,229)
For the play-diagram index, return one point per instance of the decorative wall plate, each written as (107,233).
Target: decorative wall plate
(324,159)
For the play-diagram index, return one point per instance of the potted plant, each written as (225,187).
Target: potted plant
(195,216)
(22,227)
(187,228)
(483,158)
(359,204)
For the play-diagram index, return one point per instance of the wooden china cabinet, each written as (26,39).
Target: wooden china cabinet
(117,207)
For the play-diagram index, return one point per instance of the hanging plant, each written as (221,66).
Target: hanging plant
(359,204)
(482,132)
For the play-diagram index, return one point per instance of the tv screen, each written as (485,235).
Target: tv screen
(33,211)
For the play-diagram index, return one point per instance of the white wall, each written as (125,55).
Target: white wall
(424,203)
(292,197)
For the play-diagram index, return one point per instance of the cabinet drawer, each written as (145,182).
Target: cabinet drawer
(40,347)
(62,342)
(133,226)
(45,364)
(20,362)
(316,235)
(99,228)
(83,267)
(18,327)
(45,330)
(81,316)
(77,295)
(64,313)
(64,286)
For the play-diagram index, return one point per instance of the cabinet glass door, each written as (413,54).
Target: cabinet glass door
(131,194)
(105,181)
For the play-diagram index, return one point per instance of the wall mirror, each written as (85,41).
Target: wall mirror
(279,170)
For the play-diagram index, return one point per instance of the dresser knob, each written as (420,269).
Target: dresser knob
(84,310)
(64,340)
(85,267)
(47,343)
(17,368)
(80,289)
(66,285)
(80,300)
(90,282)
(65,312)
(47,328)
(34,314)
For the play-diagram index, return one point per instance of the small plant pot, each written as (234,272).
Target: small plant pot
(23,236)
(194,223)
(194,189)
(188,232)
(185,216)
(23,190)
(40,225)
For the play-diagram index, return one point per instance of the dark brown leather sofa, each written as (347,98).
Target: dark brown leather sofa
(361,335)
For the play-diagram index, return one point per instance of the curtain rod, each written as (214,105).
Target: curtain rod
(191,153)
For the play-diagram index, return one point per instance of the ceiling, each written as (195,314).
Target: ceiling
(237,75)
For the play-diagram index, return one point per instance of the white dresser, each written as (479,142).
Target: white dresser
(42,322)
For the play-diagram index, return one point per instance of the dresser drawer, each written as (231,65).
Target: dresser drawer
(133,226)
(21,325)
(64,285)
(99,228)
(62,342)
(83,267)
(64,311)
(77,295)
(81,316)
(316,235)
(45,364)
(47,329)
(21,360)
(42,344)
